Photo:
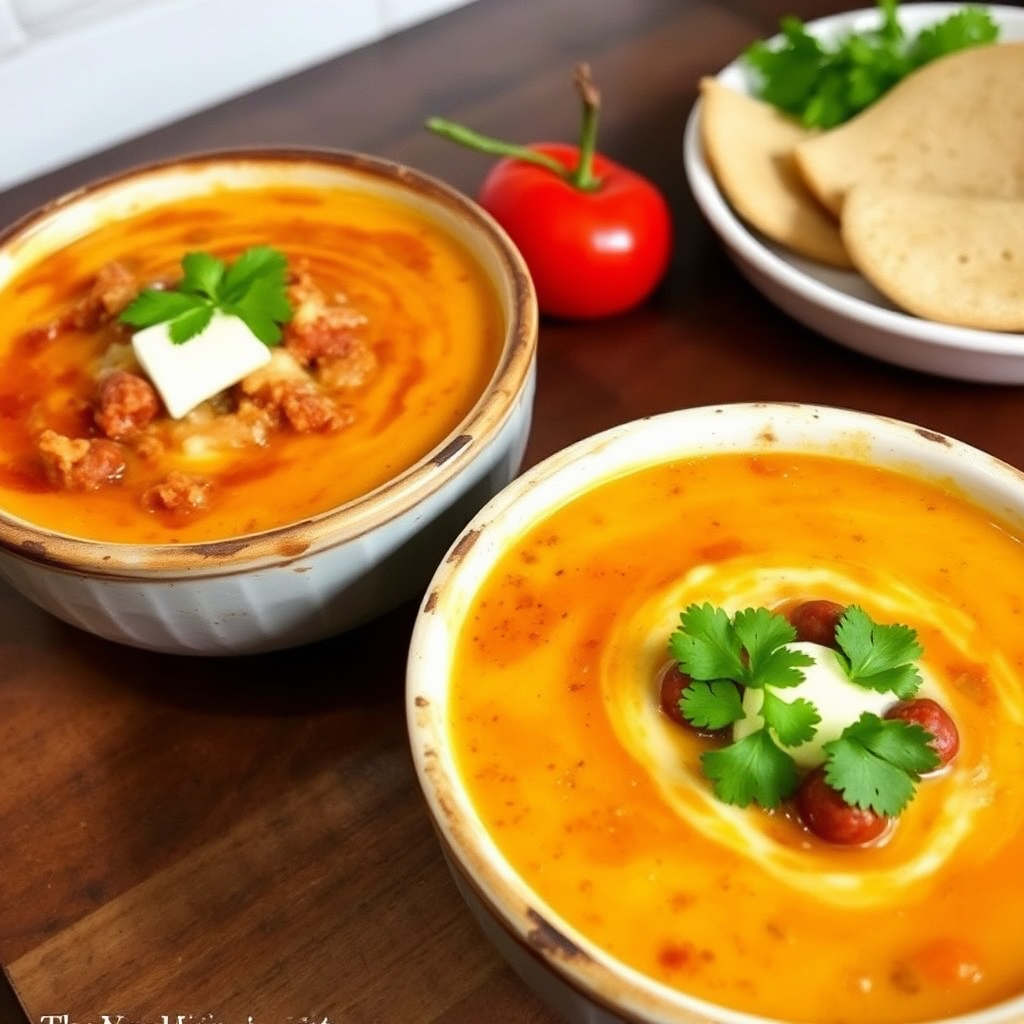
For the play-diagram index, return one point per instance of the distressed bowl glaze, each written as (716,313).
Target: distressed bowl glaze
(581,981)
(334,571)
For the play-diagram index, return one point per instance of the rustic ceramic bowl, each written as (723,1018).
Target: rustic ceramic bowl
(582,981)
(315,578)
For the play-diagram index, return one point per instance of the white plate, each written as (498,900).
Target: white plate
(840,304)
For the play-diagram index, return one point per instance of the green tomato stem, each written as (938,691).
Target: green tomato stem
(494,147)
(581,176)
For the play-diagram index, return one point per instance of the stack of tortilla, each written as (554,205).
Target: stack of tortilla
(922,193)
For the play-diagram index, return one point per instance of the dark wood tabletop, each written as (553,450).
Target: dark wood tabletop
(243,840)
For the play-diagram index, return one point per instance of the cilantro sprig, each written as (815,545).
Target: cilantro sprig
(253,288)
(823,84)
(875,763)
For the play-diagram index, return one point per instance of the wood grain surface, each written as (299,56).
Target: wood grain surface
(227,839)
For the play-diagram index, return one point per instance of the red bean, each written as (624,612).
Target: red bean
(933,718)
(815,621)
(824,811)
(673,682)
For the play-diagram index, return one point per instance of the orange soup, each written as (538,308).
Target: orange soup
(395,334)
(597,798)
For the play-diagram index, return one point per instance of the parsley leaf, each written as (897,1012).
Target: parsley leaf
(253,288)
(706,645)
(764,635)
(752,769)
(875,763)
(794,721)
(879,657)
(712,705)
(748,649)
(823,85)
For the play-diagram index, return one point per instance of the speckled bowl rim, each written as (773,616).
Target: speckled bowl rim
(353,519)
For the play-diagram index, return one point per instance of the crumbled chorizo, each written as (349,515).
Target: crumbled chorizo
(112,290)
(206,431)
(126,404)
(80,464)
(320,327)
(306,409)
(350,370)
(178,492)
(284,389)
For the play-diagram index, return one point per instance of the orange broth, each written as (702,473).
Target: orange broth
(598,801)
(432,321)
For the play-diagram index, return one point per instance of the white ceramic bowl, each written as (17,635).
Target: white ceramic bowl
(839,304)
(584,982)
(315,578)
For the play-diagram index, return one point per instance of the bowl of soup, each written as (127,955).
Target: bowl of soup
(637,864)
(249,398)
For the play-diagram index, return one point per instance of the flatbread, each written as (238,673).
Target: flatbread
(955,125)
(955,259)
(749,146)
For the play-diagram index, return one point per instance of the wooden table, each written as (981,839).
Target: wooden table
(232,839)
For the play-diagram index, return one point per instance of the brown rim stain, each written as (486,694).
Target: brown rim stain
(550,940)
(931,435)
(430,604)
(451,449)
(462,547)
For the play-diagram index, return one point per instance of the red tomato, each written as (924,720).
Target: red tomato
(590,253)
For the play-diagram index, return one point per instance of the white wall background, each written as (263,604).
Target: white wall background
(77,76)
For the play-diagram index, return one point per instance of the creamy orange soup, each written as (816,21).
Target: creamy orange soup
(597,798)
(420,307)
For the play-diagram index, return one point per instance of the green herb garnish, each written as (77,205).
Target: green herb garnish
(823,84)
(874,763)
(252,288)
(879,657)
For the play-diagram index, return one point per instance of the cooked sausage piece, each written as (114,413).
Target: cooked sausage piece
(934,719)
(80,464)
(815,621)
(302,406)
(349,370)
(112,290)
(320,327)
(126,404)
(825,813)
(178,492)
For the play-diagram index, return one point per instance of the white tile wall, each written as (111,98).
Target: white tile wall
(77,76)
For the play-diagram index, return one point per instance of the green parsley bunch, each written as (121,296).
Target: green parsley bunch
(823,84)
(253,288)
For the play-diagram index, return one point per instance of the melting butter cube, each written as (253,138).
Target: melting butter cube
(189,373)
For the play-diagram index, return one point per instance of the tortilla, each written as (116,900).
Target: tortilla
(955,259)
(955,126)
(749,146)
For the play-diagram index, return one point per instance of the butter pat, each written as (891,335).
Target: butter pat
(189,373)
(826,686)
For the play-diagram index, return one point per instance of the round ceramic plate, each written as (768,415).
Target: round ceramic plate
(839,304)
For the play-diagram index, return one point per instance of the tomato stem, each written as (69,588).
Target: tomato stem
(495,147)
(581,176)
